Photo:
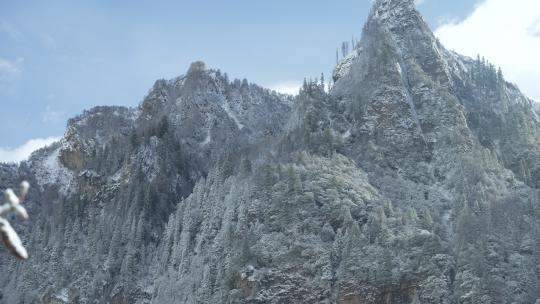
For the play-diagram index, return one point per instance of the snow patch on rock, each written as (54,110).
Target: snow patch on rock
(208,138)
(229,112)
(49,171)
(344,66)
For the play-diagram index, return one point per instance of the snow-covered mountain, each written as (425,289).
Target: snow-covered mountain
(414,180)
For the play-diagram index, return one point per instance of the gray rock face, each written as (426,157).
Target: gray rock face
(414,180)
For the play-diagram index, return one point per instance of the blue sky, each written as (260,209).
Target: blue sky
(58,58)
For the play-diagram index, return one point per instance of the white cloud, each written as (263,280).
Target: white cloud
(52,116)
(10,30)
(291,88)
(10,71)
(22,152)
(534,29)
(48,41)
(507,33)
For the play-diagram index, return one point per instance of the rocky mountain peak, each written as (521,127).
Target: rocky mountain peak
(400,21)
(394,12)
(397,34)
(196,67)
(382,6)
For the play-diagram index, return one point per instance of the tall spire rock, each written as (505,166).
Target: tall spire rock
(399,76)
(405,30)
(398,25)
(406,26)
(396,13)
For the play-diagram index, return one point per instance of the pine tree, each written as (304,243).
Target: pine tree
(345,48)
(245,166)
(427,220)
(163,127)
(294,181)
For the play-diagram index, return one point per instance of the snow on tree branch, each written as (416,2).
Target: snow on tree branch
(13,204)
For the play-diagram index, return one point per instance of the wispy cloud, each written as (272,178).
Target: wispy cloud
(12,32)
(22,152)
(291,88)
(10,71)
(534,29)
(53,116)
(48,41)
(513,44)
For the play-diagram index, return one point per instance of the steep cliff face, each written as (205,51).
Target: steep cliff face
(414,180)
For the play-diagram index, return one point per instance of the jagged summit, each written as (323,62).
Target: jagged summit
(385,6)
(196,68)
(396,32)
(395,12)
(401,70)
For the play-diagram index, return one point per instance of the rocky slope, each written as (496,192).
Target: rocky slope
(414,180)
